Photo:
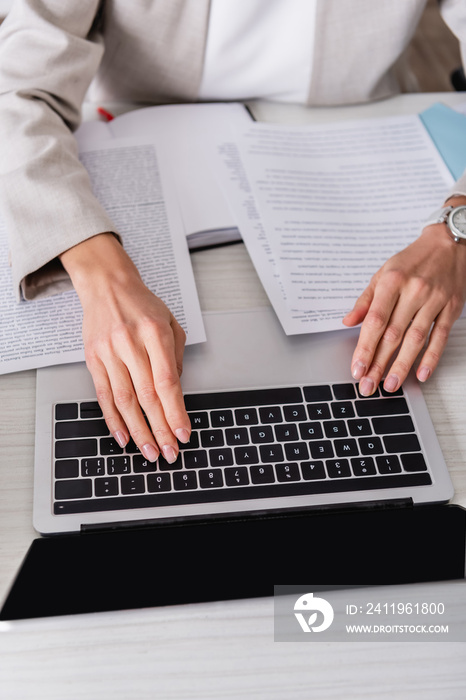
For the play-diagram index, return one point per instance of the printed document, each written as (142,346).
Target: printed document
(321,208)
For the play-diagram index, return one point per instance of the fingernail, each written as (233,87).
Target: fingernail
(121,438)
(358,370)
(169,454)
(182,434)
(424,374)
(391,383)
(366,386)
(150,452)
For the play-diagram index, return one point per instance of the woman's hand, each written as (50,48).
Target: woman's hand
(133,347)
(412,300)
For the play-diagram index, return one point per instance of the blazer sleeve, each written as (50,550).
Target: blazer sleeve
(49,52)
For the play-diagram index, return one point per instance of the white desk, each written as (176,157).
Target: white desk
(219,650)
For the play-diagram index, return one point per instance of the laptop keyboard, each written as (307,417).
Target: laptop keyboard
(257,443)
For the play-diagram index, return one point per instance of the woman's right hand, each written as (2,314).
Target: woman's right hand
(133,346)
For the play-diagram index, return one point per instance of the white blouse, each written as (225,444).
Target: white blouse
(259,48)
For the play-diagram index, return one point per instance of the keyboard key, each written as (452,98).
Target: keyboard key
(344,391)
(90,409)
(221,457)
(196,459)
(402,443)
(294,413)
(184,481)
(159,482)
(338,468)
(371,445)
(413,462)
(398,392)
(319,411)
(313,470)
(246,455)
(76,488)
(262,434)
(133,484)
(210,478)
(286,432)
(296,451)
(192,444)
(246,416)
(131,448)
(311,431)
(321,449)
(335,428)
(67,469)
(237,436)
(342,409)
(221,419)
(166,466)
(381,407)
(94,466)
(317,393)
(80,429)
(199,420)
(287,472)
(346,448)
(388,465)
(141,464)
(109,446)
(212,438)
(271,414)
(271,453)
(263,474)
(236,476)
(359,426)
(107,486)
(249,397)
(75,448)
(66,411)
(363,466)
(393,424)
(119,465)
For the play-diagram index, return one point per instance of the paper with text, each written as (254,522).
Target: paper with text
(321,208)
(134,187)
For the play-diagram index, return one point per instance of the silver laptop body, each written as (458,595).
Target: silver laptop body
(244,350)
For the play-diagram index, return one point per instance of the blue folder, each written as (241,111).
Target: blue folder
(447,129)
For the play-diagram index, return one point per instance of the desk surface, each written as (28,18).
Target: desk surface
(220,650)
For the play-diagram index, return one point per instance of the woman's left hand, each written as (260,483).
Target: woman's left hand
(413,299)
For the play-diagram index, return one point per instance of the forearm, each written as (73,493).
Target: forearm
(46,64)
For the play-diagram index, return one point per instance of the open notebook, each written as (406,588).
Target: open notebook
(278,424)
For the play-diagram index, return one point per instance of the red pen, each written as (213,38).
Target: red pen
(103,113)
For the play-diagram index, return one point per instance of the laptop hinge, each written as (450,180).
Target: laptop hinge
(389,504)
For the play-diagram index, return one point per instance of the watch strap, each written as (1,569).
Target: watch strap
(438,217)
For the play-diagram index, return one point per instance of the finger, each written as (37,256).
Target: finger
(360,308)
(165,353)
(436,345)
(377,317)
(407,329)
(104,394)
(128,405)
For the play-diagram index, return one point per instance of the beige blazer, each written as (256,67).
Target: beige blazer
(144,51)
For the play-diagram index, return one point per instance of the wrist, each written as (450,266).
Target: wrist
(95,263)
(456,200)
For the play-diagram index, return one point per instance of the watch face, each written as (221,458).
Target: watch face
(458,221)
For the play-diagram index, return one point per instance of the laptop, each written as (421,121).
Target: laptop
(278,426)
(311,483)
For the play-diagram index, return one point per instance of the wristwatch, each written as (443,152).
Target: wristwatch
(454,218)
